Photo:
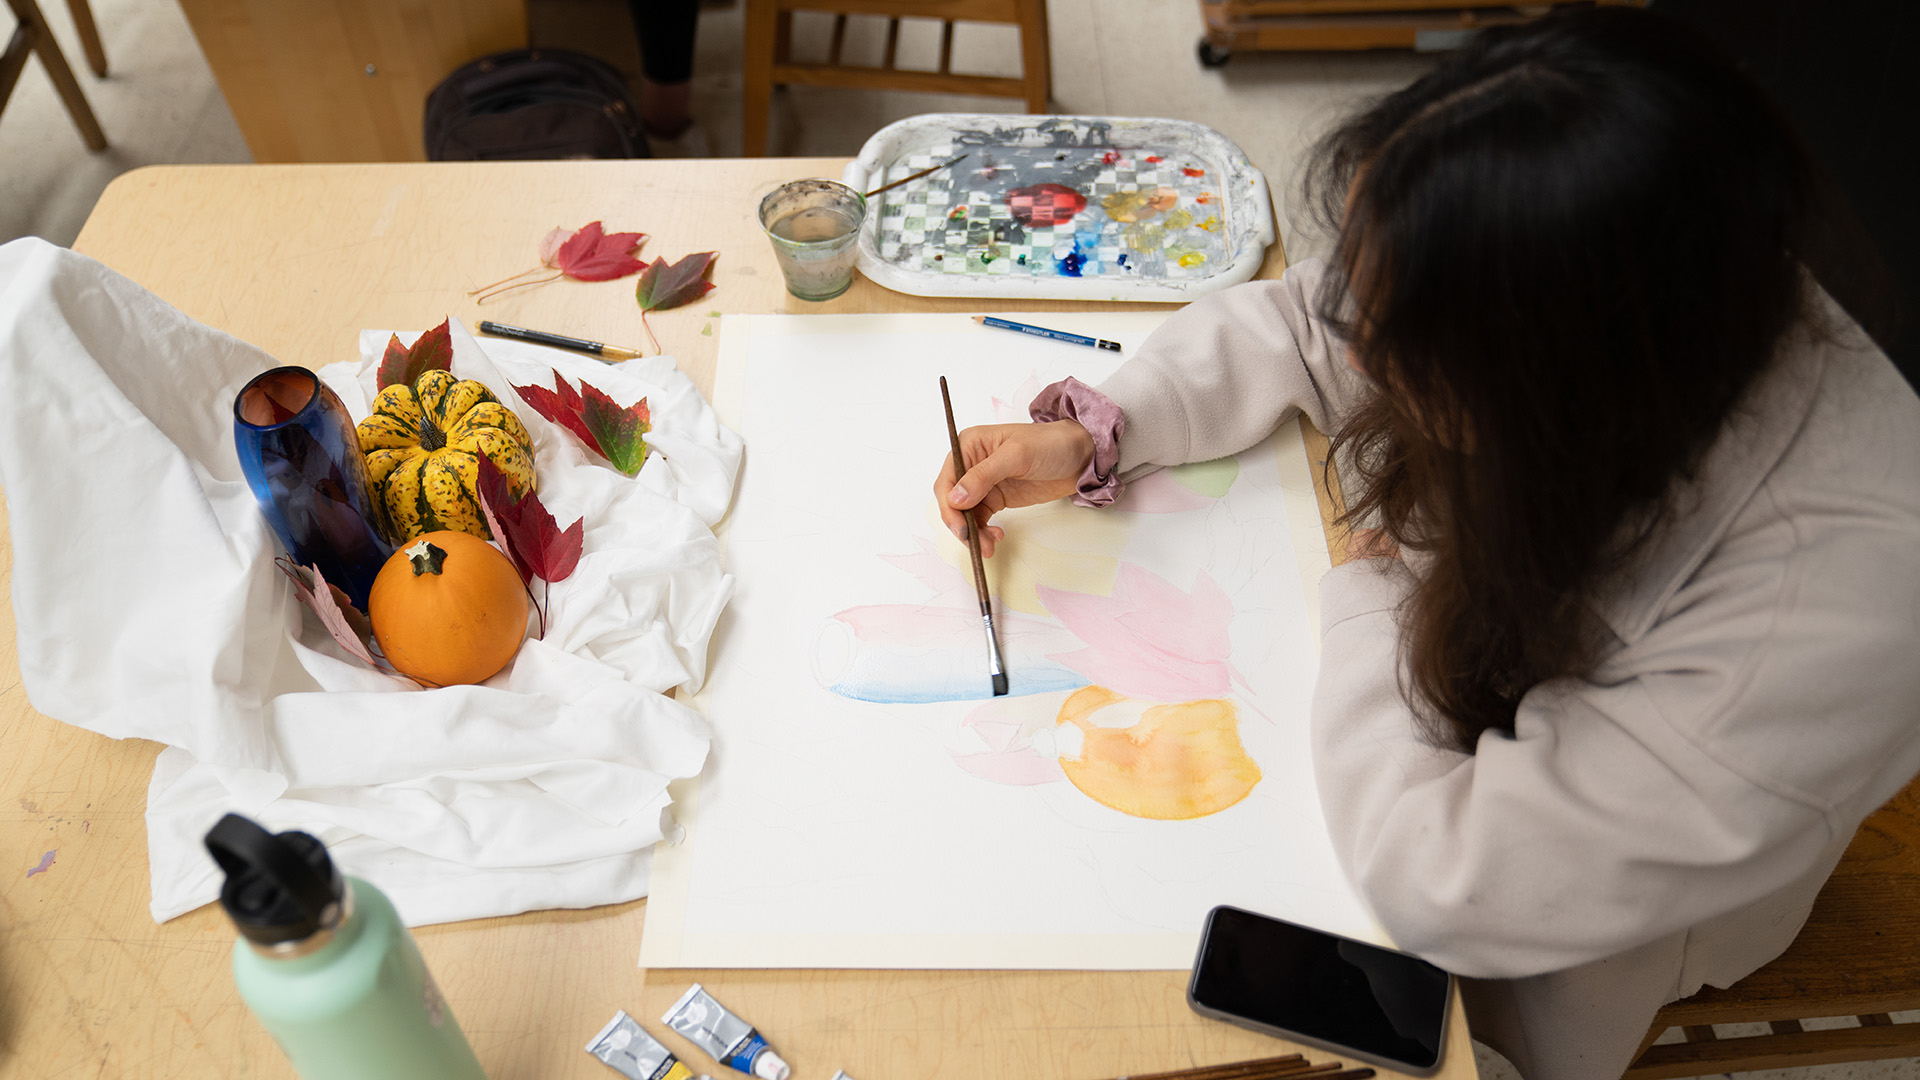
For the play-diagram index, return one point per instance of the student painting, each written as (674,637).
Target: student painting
(1633,647)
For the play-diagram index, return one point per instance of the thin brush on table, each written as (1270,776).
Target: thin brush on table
(1287,1067)
(995,667)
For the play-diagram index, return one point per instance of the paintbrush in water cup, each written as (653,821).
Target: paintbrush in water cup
(995,667)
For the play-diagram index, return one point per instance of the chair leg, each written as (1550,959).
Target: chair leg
(89,36)
(762,17)
(14,59)
(63,81)
(1036,65)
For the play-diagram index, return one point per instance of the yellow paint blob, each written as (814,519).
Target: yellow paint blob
(1075,548)
(1212,224)
(1145,238)
(1192,258)
(1138,204)
(1178,219)
(1178,762)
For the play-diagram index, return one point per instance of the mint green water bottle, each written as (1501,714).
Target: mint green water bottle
(325,964)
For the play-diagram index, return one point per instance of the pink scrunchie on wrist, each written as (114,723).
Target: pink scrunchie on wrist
(1071,399)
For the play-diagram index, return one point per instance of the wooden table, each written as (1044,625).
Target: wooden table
(297,260)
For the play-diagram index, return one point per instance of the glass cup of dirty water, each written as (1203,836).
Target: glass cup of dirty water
(815,229)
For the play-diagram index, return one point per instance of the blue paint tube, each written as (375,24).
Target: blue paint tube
(732,1041)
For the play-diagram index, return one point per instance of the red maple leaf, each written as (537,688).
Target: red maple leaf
(337,614)
(431,351)
(614,433)
(589,253)
(593,255)
(533,541)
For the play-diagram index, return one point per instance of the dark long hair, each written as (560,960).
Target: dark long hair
(1564,255)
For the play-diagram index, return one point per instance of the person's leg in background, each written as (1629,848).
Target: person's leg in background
(666,30)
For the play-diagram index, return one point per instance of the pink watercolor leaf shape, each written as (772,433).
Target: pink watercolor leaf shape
(1149,639)
(930,569)
(1009,759)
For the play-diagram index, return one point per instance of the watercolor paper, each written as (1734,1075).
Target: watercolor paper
(869,803)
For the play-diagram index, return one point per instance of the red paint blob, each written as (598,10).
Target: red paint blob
(1110,157)
(1194,172)
(1155,159)
(1203,198)
(1045,205)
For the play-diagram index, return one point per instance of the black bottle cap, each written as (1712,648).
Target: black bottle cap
(279,888)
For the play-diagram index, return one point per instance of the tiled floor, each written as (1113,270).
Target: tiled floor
(1113,57)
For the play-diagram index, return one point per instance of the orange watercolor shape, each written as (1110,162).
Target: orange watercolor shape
(1177,763)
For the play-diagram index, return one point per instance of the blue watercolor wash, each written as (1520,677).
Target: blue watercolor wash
(972,686)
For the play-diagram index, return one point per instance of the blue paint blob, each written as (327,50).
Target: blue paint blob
(1071,262)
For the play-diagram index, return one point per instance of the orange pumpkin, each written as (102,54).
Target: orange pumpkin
(448,608)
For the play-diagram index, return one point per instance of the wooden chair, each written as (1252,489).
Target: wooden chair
(32,35)
(769,60)
(1231,25)
(1858,955)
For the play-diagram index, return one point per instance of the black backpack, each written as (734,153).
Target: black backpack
(532,104)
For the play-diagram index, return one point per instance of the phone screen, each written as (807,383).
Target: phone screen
(1334,990)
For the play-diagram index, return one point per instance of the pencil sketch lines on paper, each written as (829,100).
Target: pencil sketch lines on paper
(1120,681)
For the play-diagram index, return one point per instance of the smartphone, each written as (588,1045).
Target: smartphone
(1381,1006)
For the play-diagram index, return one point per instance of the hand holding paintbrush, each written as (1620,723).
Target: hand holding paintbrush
(1012,465)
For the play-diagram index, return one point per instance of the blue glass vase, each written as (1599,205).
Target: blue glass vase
(301,455)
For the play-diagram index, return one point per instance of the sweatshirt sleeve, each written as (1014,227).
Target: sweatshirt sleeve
(1696,771)
(1227,369)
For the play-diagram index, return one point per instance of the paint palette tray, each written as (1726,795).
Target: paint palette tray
(1060,208)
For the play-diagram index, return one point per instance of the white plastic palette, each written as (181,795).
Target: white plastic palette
(1061,208)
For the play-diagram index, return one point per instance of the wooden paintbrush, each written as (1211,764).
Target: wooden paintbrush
(910,179)
(1289,1067)
(994,665)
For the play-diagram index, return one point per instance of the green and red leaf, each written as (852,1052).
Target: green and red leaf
(663,286)
(430,351)
(619,432)
(614,433)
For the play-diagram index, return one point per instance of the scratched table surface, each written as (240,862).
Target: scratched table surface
(297,260)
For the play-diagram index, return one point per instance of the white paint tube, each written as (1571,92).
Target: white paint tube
(626,1048)
(731,1040)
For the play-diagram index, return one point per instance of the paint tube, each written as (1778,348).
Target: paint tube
(841,1074)
(731,1040)
(626,1048)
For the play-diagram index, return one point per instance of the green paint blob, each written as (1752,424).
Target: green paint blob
(707,330)
(1209,478)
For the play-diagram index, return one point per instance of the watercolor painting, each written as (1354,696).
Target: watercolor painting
(868,801)
(1149,728)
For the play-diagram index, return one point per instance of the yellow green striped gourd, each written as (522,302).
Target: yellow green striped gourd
(421,444)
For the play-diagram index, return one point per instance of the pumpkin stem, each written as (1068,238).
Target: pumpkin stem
(426,558)
(431,437)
